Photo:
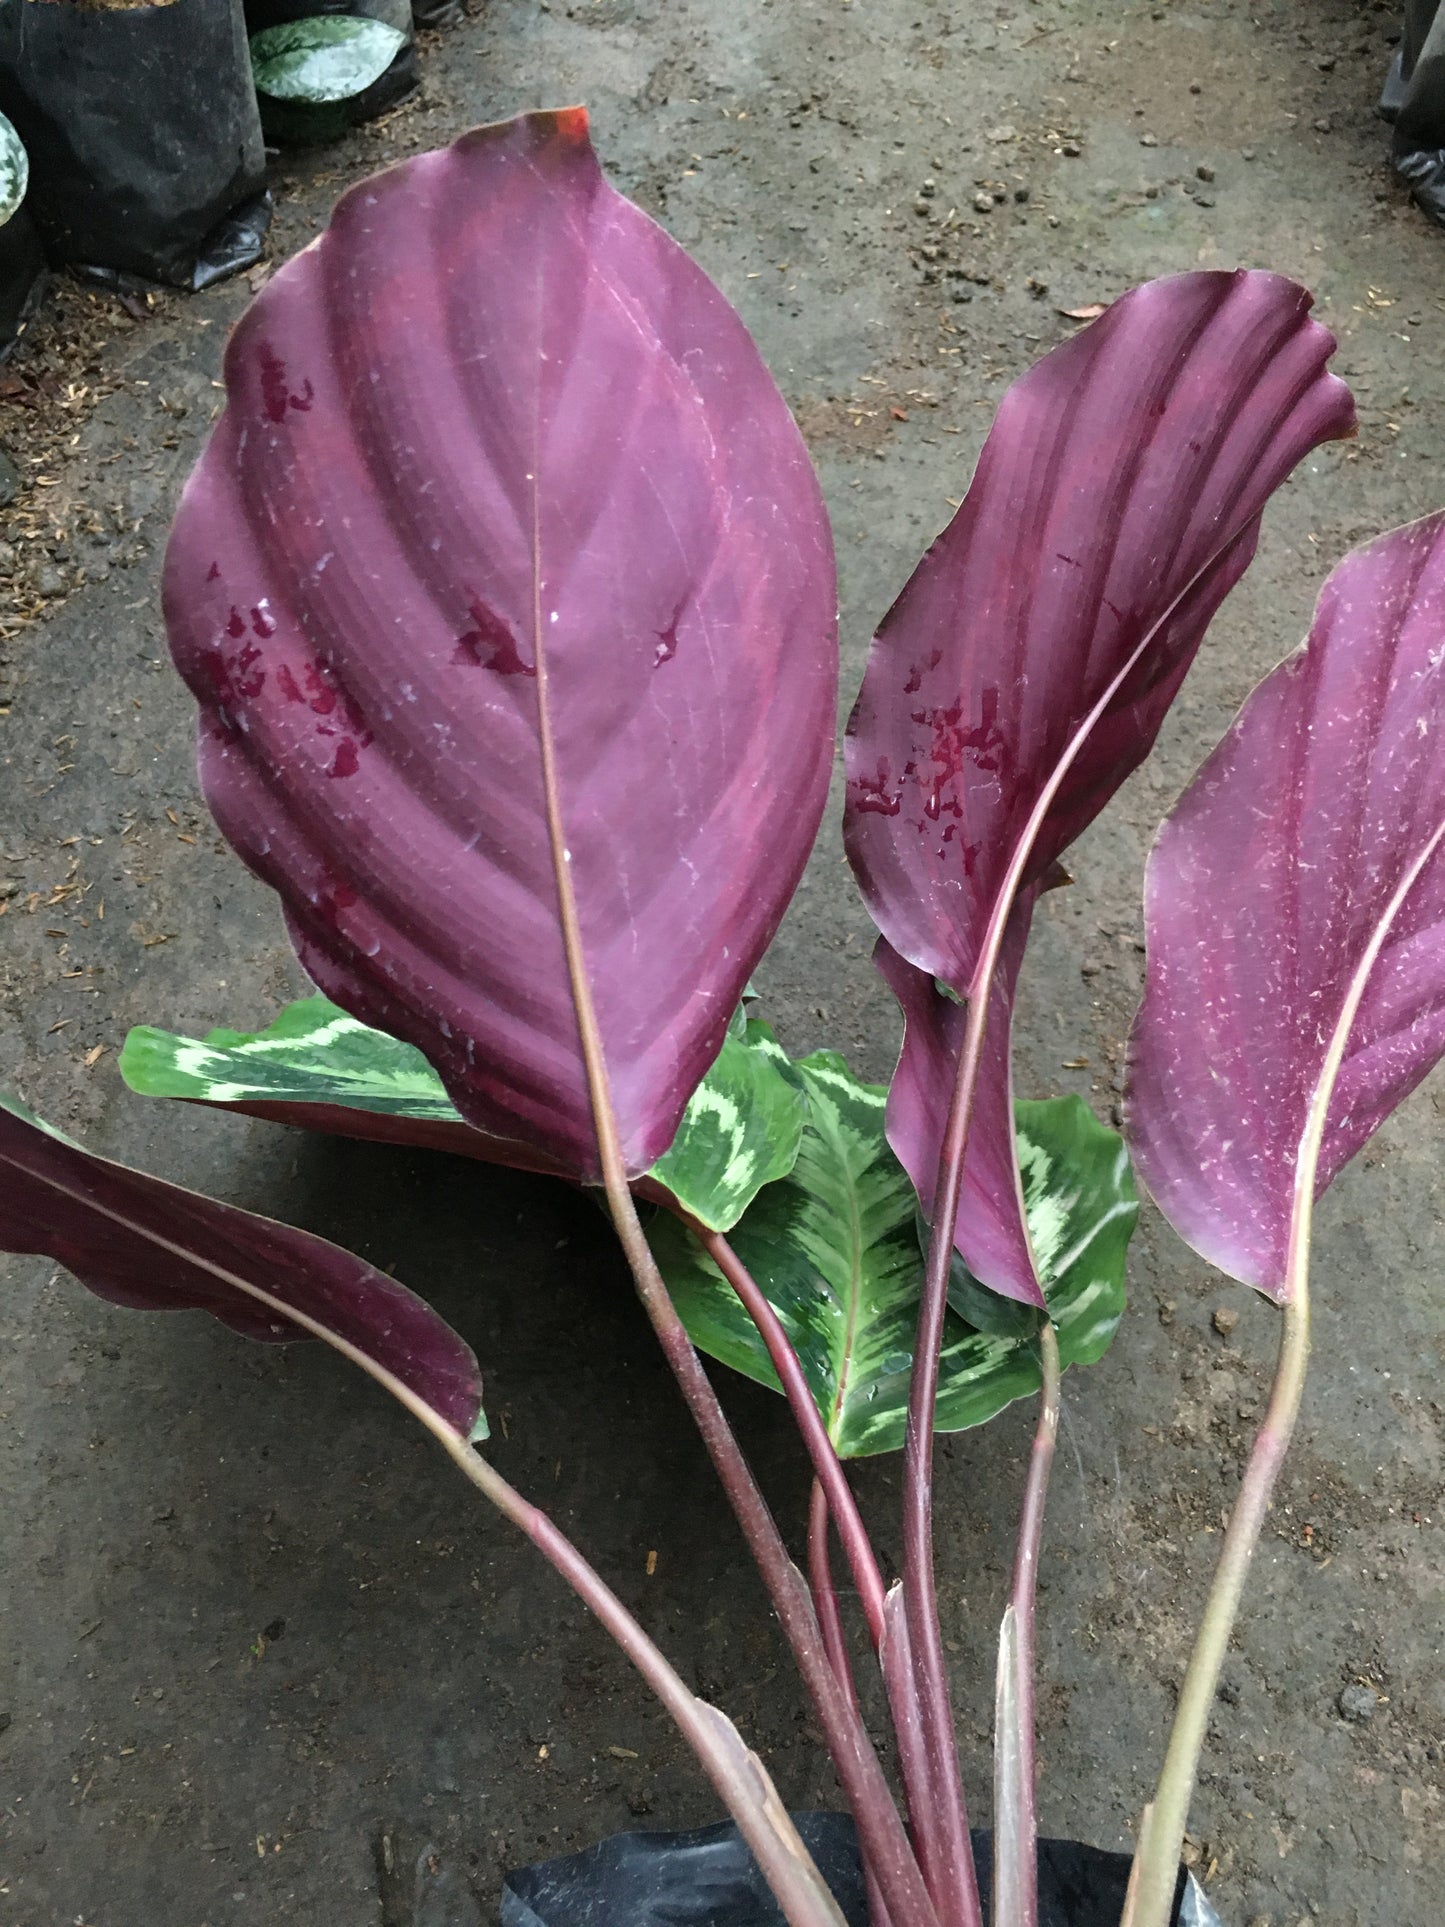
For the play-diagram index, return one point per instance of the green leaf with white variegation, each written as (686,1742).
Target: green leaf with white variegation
(1081,1207)
(834,1247)
(740,1131)
(324,58)
(314,1053)
(14,170)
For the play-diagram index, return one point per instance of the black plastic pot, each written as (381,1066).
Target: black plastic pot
(146,161)
(22,274)
(708,1878)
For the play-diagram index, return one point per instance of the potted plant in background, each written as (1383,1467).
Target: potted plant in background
(506,593)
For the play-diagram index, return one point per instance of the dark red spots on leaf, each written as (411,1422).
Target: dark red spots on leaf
(345,762)
(263,622)
(273,383)
(490,644)
(276,395)
(920,670)
(872,795)
(236,624)
(213,574)
(988,742)
(333,898)
(248,679)
(319,693)
(288,685)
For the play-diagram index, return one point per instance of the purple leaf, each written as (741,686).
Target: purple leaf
(494,408)
(1025,669)
(1295,913)
(140,1242)
(990,1229)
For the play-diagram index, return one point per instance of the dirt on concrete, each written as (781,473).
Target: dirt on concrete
(261,1650)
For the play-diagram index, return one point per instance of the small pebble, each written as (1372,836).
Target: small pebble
(1224,1321)
(1072,149)
(983,203)
(1021,194)
(1358,1703)
(1204,172)
(49,581)
(1147,140)
(1246,153)
(1322,125)
(1195,88)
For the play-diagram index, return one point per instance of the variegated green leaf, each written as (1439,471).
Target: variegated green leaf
(1081,1207)
(834,1246)
(313,1053)
(14,170)
(326,58)
(740,1131)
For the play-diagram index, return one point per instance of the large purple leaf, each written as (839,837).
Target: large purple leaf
(1295,910)
(141,1242)
(494,419)
(1026,667)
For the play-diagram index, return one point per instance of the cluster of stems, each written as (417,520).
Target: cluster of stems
(917,1854)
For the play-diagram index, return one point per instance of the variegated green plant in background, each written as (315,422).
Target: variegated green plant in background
(791,1160)
(835,1248)
(324,59)
(14,171)
(314,1065)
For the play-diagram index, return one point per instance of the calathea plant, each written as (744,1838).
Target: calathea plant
(507,596)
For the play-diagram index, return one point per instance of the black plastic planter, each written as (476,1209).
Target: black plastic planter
(708,1878)
(145,145)
(22,271)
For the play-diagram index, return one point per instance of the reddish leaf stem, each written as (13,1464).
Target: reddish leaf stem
(825,1595)
(953,1880)
(1015,1807)
(885,1628)
(825,1599)
(827,1468)
(881,1835)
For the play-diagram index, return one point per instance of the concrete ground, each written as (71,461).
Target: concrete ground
(260,1646)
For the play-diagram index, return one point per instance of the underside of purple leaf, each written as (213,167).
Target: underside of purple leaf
(1025,669)
(990,1229)
(494,405)
(155,1247)
(1295,916)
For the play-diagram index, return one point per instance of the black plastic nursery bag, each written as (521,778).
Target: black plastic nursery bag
(145,146)
(1414,98)
(708,1878)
